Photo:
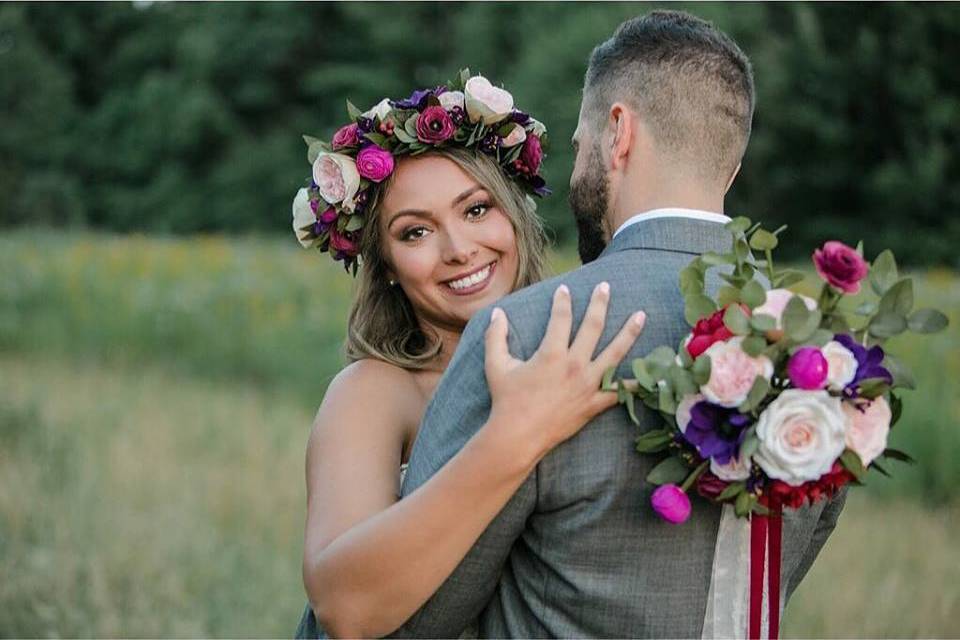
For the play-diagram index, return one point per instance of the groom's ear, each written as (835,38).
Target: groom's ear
(622,128)
(733,177)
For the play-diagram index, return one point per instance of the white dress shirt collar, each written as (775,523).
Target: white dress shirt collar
(674,212)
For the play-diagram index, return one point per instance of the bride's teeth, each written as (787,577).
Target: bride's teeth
(471,280)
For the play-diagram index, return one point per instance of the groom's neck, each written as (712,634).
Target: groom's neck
(638,197)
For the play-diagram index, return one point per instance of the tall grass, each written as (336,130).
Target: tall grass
(155,398)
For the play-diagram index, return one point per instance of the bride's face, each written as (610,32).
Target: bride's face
(447,243)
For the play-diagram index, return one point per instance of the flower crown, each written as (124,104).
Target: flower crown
(470,113)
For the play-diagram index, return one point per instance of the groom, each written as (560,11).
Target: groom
(664,122)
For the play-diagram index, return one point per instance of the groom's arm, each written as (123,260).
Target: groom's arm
(459,408)
(825,526)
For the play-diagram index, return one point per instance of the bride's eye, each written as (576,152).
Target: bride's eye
(477,210)
(413,233)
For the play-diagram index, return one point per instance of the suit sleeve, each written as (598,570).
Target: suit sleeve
(459,408)
(825,526)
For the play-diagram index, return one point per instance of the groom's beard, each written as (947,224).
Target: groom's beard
(588,201)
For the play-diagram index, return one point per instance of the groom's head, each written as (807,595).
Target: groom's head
(665,119)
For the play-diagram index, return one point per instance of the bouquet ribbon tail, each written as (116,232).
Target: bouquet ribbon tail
(766,538)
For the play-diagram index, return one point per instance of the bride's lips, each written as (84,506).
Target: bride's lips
(471,282)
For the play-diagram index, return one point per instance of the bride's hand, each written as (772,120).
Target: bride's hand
(548,398)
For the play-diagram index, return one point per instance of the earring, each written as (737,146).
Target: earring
(393,282)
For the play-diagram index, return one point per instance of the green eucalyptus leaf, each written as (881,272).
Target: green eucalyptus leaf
(751,442)
(799,322)
(898,298)
(867,308)
(763,240)
(642,375)
(410,126)
(683,382)
(753,346)
(852,463)
(731,491)
(902,376)
(607,383)
(717,259)
(871,388)
(377,138)
(354,223)
(403,136)
(667,402)
(744,504)
(883,272)
(788,278)
(887,324)
(314,151)
(740,224)
(352,111)
(759,391)
(741,249)
(669,471)
(820,338)
(626,398)
(727,295)
(701,369)
(698,306)
(753,294)
(763,322)
(654,441)
(691,280)
(736,320)
(927,321)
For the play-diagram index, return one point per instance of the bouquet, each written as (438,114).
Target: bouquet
(776,399)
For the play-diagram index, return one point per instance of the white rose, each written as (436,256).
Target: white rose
(869,427)
(683,410)
(841,365)
(515,137)
(337,178)
(450,99)
(303,219)
(732,373)
(776,302)
(485,101)
(736,469)
(379,110)
(802,433)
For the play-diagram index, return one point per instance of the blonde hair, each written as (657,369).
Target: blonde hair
(382,323)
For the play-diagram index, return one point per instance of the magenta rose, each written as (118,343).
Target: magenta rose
(328,216)
(347,136)
(840,266)
(671,503)
(434,125)
(374,163)
(343,243)
(532,154)
(808,369)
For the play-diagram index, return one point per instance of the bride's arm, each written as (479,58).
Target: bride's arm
(371,561)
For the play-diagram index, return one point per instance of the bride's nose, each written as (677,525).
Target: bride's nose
(458,248)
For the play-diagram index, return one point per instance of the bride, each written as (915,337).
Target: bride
(440,185)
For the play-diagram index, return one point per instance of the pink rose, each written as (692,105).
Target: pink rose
(337,178)
(450,99)
(486,102)
(435,125)
(374,163)
(869,426)
(671,503)
(807,369)
(517,135)
(346,136)
(532,154)
(841,266)
(732,373)
(342,242)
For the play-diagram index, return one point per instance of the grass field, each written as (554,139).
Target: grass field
(155,398)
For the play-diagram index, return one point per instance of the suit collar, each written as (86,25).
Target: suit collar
(682,235)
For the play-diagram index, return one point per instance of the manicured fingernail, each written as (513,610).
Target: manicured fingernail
(639,318)
(496,315)
(563,290)
(604,287)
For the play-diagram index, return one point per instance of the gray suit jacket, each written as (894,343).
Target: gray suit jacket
(578,552)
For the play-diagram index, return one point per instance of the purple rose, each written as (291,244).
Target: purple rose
(346,136)
(841,266)
(532,154)
(374,163)
(807,369)
(434,125)
(671,503)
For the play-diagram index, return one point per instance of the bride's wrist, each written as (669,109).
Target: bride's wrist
(514,442)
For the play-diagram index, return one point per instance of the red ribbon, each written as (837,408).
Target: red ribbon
(766,538)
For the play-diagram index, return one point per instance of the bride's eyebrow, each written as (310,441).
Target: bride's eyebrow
(466,194)
(426,214)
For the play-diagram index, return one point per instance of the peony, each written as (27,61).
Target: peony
(807,369)
(801,433)
(486,102)
(776,302)
(434,125)
(841,266)
(737,468)
(374,163)
(379,110)
(671,503)
(517,135)
(869,426)
(450,99)
(337,178)
(532,154)
(841,365)
(732,373)
(303,218)
(346,136)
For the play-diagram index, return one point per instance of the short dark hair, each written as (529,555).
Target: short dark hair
(689,81)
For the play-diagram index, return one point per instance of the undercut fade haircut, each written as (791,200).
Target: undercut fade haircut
(691,84)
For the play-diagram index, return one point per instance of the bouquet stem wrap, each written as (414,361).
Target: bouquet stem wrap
(766,538)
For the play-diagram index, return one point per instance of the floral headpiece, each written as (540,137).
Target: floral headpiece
(470,113)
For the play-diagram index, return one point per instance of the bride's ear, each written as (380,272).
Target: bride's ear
(733,177)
